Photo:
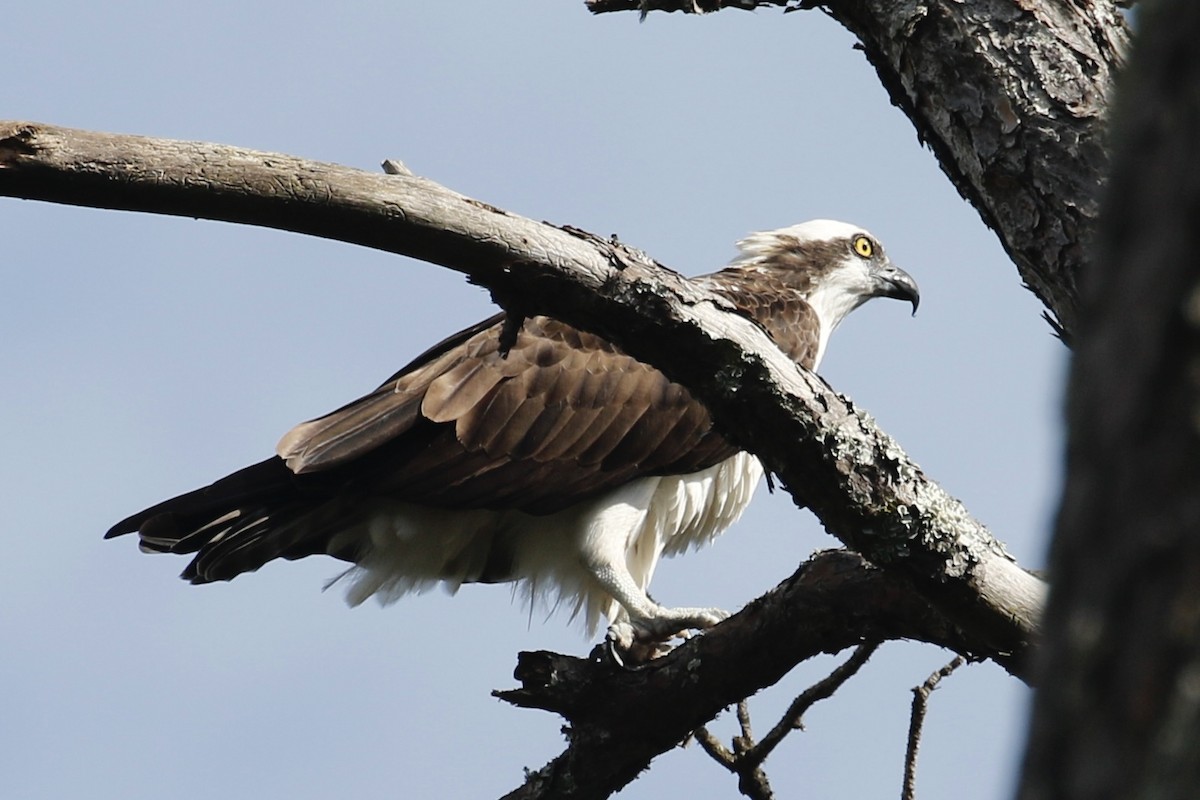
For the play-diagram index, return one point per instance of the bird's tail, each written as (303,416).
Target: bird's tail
(239,523)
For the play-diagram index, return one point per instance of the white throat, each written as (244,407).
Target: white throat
(833,300)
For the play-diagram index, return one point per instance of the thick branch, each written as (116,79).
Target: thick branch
(831,457)
(620,719)
(1119,713)
(1011,97)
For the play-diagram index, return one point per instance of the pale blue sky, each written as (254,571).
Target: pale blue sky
(144,356)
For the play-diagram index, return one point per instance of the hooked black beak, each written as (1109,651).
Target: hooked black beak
(891,281)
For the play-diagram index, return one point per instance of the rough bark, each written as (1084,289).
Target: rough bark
(620,718)
(1119,711)
(1010,95)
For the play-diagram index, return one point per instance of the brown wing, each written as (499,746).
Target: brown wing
(563,416)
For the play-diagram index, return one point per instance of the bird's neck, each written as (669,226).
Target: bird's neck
(779,308)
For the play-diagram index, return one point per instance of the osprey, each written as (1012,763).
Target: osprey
(564,465)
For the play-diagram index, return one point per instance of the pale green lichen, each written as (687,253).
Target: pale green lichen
(918,515)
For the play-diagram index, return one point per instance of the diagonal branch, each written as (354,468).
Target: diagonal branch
(747,756)
(831,457)
(752,780)
(1010,96)
(621,718)
(821,690)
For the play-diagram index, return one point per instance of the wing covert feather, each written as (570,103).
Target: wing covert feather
(562,416)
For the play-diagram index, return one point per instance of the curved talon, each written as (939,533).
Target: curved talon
(636,641)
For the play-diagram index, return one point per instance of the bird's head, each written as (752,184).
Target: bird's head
(836,266)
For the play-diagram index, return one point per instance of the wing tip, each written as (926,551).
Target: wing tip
(128,525)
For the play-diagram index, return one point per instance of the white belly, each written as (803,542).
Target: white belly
(412,547)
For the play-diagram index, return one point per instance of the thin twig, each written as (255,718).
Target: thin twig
(752,783)
(743,717)
(714,748)
(820,690)
(920,705)
(745,759)
(744,741)
(752,780)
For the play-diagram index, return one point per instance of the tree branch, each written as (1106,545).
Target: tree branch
(1119,713)
(621,718)
(747,756)
(1011,98)
(830,456)
(821,690)
(752,780)
(920,705)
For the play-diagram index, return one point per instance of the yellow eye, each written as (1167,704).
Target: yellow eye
(863,246)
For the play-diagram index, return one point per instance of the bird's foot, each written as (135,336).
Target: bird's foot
(638,640)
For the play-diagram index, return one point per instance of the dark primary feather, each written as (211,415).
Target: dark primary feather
(563,417)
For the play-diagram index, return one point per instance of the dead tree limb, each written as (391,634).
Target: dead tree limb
(831,457)
(746,757)
(620,719)
(920,705)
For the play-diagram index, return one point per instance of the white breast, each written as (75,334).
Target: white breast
(413,548)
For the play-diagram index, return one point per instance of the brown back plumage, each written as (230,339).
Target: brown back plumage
(562,417)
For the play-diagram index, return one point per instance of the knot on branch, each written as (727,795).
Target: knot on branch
(16,140)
